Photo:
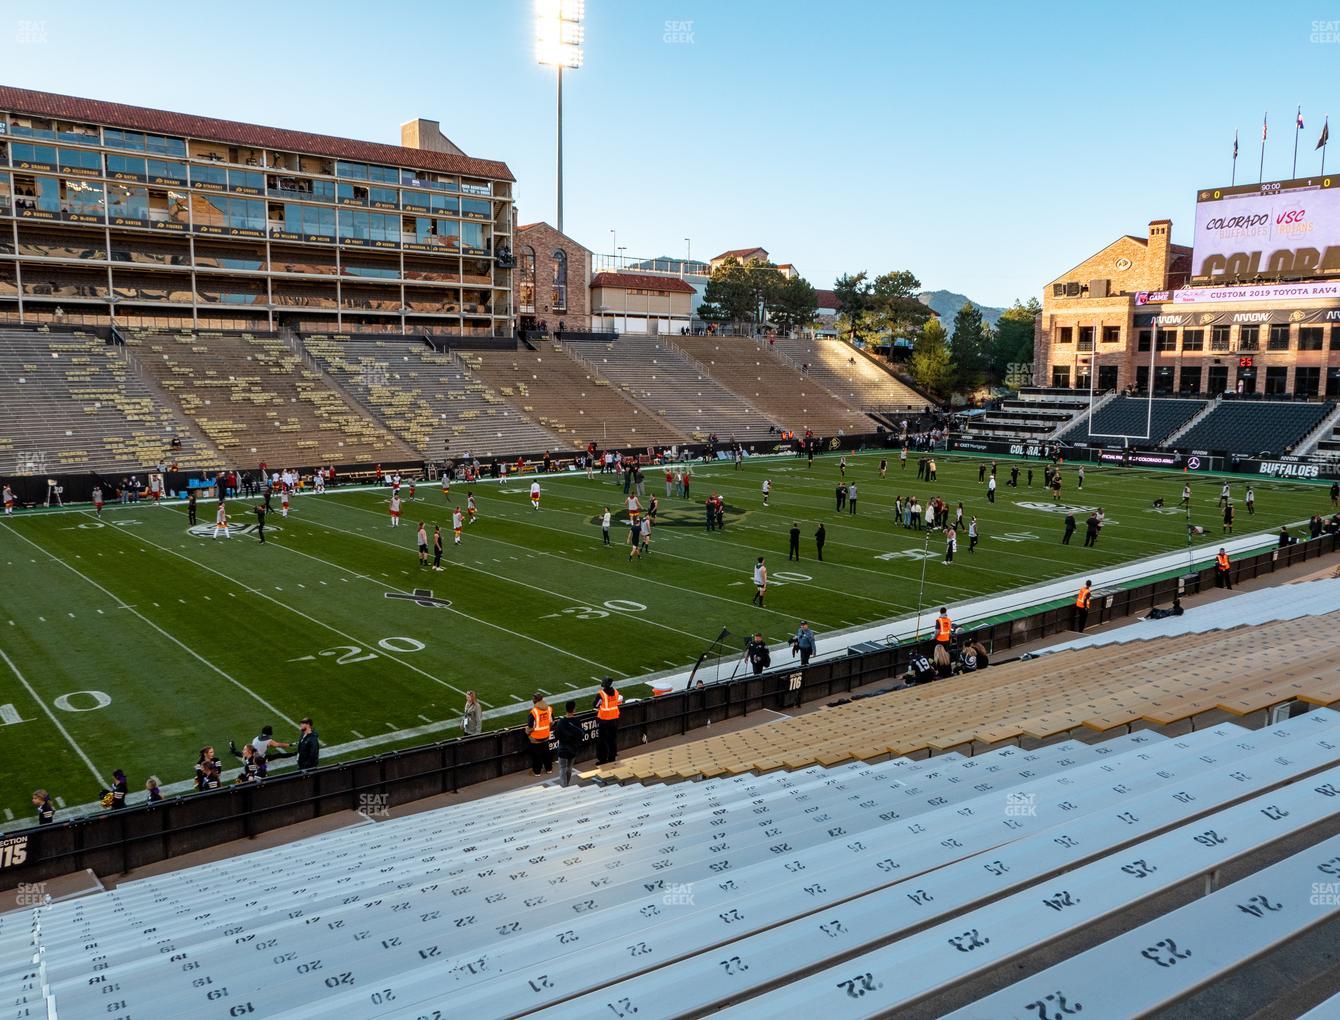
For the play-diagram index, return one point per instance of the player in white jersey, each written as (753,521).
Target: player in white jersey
(767,490)
(9,501)
(471,511)
(456,525)
(395,510)
(535,495)
(221,521)
(634,508)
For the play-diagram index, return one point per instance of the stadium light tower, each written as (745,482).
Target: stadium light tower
(558,44)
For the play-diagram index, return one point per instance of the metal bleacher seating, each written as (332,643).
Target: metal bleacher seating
(1251,426)
(72,403)
(753,891)
(1088,690)
(849,374)
(795,399)
(669,384)
(257,401)
(1129,416)
(435,400)
(570,399)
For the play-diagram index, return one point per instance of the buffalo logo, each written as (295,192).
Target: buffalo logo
(1207,317)
(1297,315)
(207,530)
(420,597)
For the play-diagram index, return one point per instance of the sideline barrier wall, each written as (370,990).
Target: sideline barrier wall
(119,841)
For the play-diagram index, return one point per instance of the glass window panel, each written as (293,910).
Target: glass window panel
(383,174)
(208,175)
(385,198)
(25,152)
(80,159)
(118,139)
(127,203)
(6,200)
(246,179)
(472,235)
(163,172)
(358,171)
(477,208)
(83,198)
(125,166)
(209,210)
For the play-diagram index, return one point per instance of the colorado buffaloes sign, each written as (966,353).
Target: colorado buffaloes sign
(1287,229)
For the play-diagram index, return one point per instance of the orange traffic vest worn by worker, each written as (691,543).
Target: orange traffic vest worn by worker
(943,627)
(541,717)
(609,705)
(1222,561)
(1082,599)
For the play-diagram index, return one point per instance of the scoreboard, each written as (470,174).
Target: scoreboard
(1280,230)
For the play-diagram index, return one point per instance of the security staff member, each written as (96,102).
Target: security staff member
(944,628)
(793,551)
(538,727)
(1223,572)
(1082,605)
(820,536)
(607,705)
(260,522)
(190,509)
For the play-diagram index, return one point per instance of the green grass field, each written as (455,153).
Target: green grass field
(130,642)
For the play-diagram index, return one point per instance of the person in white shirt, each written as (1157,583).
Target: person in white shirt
(535,495)
(972,534)
(456,525)
(395,511)
(1251,500)
(1186,495)
(605,525)
(991,489)
(319,481)
(221,521)
(1223,496)
(767,489)
(1080,476)
(283,503)
(760,582)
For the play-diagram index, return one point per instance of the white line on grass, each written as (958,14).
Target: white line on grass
(299,612)
(574,599)
(637,577)
(121,604)
(453,609)
(50,715)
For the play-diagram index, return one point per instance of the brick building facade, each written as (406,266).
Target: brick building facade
(553,279)
(1126,318)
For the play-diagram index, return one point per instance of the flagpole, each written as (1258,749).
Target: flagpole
(1265,130)
(1234,181)
(1297,128)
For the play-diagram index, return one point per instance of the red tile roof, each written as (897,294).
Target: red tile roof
(638,281)
(827,299)
(139,118)
(739,253)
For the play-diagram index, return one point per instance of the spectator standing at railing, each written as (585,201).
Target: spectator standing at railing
(309,745)
(804,643)
(570,735)
(46,810)
(472,721)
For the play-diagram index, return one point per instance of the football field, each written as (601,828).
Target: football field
(133,640)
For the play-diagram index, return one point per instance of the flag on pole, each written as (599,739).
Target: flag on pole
(1325,134)
(1300,118)
(1265,126)
(1235,145)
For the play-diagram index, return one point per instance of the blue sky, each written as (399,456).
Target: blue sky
(985,146)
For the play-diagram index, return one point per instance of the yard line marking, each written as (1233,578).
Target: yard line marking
(60,801)
(357,734)
(424,717)
(572,686)
(175,640)
(609,570)
(43,619)
(299,612)
(622,614)
(9,815)
(391,724)
(50,715)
